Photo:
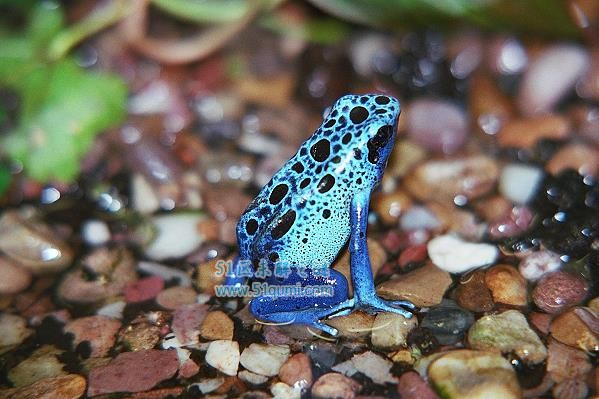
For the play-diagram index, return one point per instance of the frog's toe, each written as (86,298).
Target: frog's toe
(379,305)
(404,304)
(326,328)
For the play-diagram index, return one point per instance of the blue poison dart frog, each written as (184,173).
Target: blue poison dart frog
(310,209)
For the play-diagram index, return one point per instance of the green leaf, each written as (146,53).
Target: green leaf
(4,179)
(66,108)
(205,11)
(316,30)
(45,21)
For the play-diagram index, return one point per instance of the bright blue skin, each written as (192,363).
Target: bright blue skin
(316,202)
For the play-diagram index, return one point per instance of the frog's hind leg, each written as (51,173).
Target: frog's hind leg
(361,271)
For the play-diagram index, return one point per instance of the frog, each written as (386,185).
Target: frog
(315,205)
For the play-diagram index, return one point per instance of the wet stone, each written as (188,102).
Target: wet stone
(454,255)
(569,329)
(43,363)
(252,378)
(565,362)
(536,264)
(174,297)
(571,389)
(144,289)
(13,331)
(390,330)
(217,325)
(13,279)
(447,322)
(412,386)
(374,367)
(507,285)
(354,325)
(264,359)
(473,294)
(187,321)
(558,291)
(297,371)
(140,336)
(335,385)
(99,331)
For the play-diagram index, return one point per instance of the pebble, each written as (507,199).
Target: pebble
(489,107)
(565,363)
(13,279)
(442,180)
(208,276)
(280,390)
(423,287)
(390,330)
(13,331)
(224,356)
(454,255)
(390,206)
(571,389)
(445,133)
(525,133)
(519,183)
(252,378)
(460,222)
(32,243)
(588,86)
(412,254)
(412,386)
(540,321)
(474,374)
(209,384)
(506,55)
(419,217)
(507,332)
(297,371)
(264,359)
(405,156)
(507,285)
(559,291)
(175,297)
(355,325)
(569,329)
(550,76)
(103,274)
(374,367)
(216,326)
(143,289)
(335,385)
(187,321)
(140,336)
(536,264)
(187,367)
(473,294)
(95,232)
(71,386)
(99,331)
(133,372)
(578,156)
(514,222)
(42,363)
(447,322)
(176,235)
(167,273)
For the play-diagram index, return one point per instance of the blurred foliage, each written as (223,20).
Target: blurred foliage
(543,17)
(62,106)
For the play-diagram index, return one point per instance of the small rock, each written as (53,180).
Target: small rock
(447,322)
(578,156)
(419,218)
(217,325)
(411,255)
(280,390)
(412,386)
(208,275)
(264,359)
(565,362)
(489,107)
(224,355)
(276,335)
(297,371)
(13,279)
(252,378)
(519,183)
(445,133)
(13,331)
(176,235)
(507,285)
(187,321)
(43,363)
(187,367)
(460,222)
(95,232)
(133,372)
(442,180)
(390,206)
(374,367)
(452,254)
(540,321)
(209,385)
(550,76)
(406,154)
(71,386)
(571,389)
(144,289)
(473,294)
(513,223)
(423,287)
(355,325)
(390,330)
(588,86)
(558,291)
(335,385)
(113,310)
(175,297)
(570,330)
(474,374)
(536,264)
(525,133)
(140,336)
(507,332)
(99,331)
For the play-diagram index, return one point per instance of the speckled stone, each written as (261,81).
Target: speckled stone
(143,289)
(140,336)
(335,385)
(13,331)
(472,292)
(297,370)
(217,325)
(175,297)
(187,321)
(423,287)
(558,291)
(447,322)
(99,331)
(43,363)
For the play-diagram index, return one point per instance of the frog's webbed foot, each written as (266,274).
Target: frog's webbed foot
(376,304)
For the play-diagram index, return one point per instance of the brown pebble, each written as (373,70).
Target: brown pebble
(209,275)
(217,325)
(13,279)
(507,285)
(390,206)
(489,107)
(70,386)
(558,291)
(297,370)
(588,86)
(354,325)
(570,330)
(580,157)
(423,287)
(99,331)
(335,385)
(473,294)
(412,386)
(540,321)
(140,336)
(570,389)
(565,362)
(174,297)
(524,133)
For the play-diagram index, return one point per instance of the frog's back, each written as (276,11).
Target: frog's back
(303,214)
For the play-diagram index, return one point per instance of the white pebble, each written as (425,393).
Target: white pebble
(95,232)
(114,310)
(280,390)
(418,217)
(209,385)
(454,255)
(176,235)
(519,182)
(224,356)
(374,367)
(166,272)
(539,263)
(264,359)
(144,198)
(252,378)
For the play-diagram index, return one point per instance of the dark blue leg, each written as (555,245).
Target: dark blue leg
(361,270)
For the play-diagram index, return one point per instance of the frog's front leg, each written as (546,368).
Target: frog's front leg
(365,296)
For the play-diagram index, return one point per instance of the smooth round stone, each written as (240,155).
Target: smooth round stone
(559,291)
(454,255)
(537,264)
(569,329)
(423,287)
(95,232)
(472,293)
(390,330)
(297,371)
(445,133)
(412,386)
(550,77)
(472,374)
(13,331)
(174,297)
(519,182)
(507,285)
(13,279)
(507,332)
(447,322)
(335,385)
(565,363)
(354,325)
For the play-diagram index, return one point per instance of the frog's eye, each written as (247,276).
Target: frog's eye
(380,139)
(358,114)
